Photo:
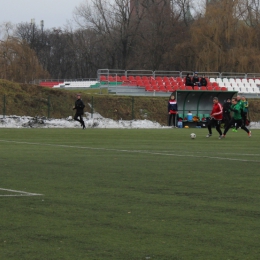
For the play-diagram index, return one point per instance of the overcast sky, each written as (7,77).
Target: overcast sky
(55,13)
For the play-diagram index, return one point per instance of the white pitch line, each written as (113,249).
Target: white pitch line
(135,151)
(23,193)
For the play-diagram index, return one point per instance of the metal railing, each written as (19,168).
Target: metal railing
(162,73)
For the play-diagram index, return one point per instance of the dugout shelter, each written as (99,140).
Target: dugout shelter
(199,102)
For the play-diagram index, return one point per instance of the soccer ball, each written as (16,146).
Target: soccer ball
(192,136)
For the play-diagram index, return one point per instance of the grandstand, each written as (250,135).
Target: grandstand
(161,83)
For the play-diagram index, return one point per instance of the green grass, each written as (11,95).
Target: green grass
(129,194)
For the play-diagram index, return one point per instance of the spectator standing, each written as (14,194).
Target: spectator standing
(172,111)
(79,107)
(215,118)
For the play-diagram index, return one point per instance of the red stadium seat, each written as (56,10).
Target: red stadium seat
(140,83)
(132,79)
(124,79)
(169,88)
(162,88)
(110,78)
(155,88)
(50,84)
(103,78)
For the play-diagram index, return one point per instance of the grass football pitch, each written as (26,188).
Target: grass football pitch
(129,194)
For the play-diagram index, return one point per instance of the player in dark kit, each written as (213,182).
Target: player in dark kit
(236,119)
(226,112)
(79,106)
(215,117)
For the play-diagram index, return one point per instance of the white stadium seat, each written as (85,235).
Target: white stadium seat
(212,80)
(219,80)
(247,85)
(238,80)
(76,84)
(236,89)
(240,84)
(257,90)
(227,84)
(225,80)
(243,90)
(250,90)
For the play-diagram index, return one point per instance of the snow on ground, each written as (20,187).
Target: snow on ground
(95,121)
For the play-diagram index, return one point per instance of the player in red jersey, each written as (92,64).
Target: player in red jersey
(215,117)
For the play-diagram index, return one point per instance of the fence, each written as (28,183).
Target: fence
(113,107)
(60,106)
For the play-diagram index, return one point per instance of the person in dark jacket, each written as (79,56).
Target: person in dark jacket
(172,110)
(203,81)
(79,106)
(226,112)
(195,80)
(188,81)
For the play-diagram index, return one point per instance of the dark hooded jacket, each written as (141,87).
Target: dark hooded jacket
(188,81)
(203,82)
(79,106)
(226,107)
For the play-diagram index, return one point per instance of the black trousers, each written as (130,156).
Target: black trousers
(213,122)
(172,119)
(239,123)
(226,118)
(79,115)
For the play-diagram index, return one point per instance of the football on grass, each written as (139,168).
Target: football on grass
(192,136)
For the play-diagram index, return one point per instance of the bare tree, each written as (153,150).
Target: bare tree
(116,26)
